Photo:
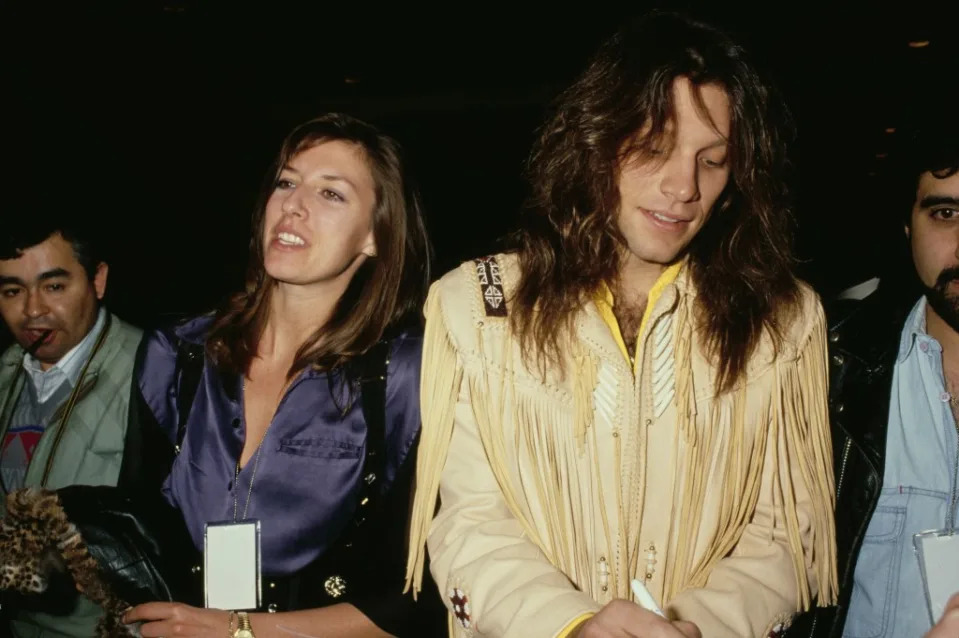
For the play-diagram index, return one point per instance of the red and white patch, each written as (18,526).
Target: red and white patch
(461,607)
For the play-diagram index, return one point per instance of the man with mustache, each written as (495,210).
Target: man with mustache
(65,383)
(894,401)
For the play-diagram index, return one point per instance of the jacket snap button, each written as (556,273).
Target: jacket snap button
(335,586)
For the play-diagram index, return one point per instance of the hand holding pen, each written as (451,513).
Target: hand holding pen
(644,598)
(645,620)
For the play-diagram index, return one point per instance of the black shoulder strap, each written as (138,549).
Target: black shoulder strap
(373,366)
(189,369)
(147,451)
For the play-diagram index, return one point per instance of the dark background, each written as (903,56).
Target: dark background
(157,123)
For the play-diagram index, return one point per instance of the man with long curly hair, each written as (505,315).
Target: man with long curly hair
(638,391)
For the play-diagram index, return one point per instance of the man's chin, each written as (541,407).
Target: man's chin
(945,305)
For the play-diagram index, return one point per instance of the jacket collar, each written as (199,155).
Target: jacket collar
(592,328)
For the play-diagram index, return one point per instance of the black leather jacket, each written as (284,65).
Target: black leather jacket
(863,346)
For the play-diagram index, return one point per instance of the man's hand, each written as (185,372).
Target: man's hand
(624,619)
(948,625)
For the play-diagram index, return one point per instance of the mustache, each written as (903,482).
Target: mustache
(947,276)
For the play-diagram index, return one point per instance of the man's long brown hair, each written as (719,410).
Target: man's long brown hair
(740,261)
(386,291)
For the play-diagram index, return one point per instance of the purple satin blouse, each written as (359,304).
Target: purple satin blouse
(310,461)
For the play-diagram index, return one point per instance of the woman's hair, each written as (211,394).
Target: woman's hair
(387,291)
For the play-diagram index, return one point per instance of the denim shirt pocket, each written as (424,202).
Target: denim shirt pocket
(877,575)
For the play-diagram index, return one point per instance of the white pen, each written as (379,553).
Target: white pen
(644,598)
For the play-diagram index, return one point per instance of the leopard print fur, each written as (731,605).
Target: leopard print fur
(36,538)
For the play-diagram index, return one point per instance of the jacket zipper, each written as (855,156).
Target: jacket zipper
(842,474)
(842,469)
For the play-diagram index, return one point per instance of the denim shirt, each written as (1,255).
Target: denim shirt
(888,597)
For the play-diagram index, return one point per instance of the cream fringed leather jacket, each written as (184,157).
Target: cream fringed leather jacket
(555,492)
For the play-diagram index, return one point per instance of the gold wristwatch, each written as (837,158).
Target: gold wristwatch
(243,628)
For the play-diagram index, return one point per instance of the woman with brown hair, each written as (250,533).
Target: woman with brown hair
(302,413)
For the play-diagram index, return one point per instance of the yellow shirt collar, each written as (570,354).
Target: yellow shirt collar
(604,302)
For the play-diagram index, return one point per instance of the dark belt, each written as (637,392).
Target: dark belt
(309,588)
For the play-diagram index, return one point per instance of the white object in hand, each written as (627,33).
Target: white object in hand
(644,598)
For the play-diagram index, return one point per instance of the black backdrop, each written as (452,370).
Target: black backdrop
(156,124)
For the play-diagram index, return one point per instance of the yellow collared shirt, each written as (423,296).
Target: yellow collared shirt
(604,302)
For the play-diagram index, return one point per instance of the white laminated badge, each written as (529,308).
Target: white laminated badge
(231,557)
(938,554)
